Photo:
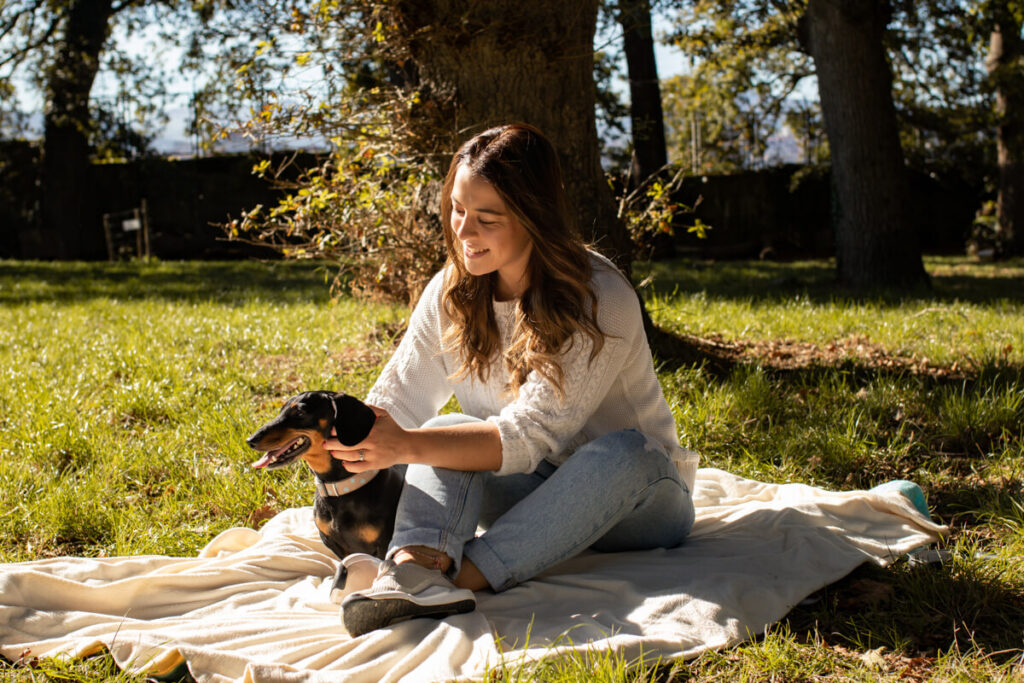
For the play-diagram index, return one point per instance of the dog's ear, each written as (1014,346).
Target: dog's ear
(355,419)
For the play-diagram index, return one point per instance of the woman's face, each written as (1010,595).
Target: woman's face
(491,238)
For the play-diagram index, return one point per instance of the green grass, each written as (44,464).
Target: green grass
(128,389)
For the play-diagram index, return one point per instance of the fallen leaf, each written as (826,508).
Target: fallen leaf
(873,659)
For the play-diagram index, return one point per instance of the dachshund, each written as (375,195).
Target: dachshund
(355,513)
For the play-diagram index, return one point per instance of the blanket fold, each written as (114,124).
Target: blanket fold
(255,605)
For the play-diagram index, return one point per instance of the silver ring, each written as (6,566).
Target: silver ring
(362,455)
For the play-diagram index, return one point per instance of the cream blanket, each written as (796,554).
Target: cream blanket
(254,606)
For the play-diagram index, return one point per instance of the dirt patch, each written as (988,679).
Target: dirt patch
(342,361)
(787,354)
(289,377)
(284,369)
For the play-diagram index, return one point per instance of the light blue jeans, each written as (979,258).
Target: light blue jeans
(619,492)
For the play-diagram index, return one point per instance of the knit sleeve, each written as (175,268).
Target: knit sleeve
(538,423)
(414,384)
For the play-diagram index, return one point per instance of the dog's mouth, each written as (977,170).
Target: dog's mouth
(279,457)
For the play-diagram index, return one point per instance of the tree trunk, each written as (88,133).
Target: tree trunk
(484,64)
(875,243)
(648,122)
(65,209)
(1005,51)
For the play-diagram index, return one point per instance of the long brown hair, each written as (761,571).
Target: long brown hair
(521,164)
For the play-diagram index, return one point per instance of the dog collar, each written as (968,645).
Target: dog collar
(334,489)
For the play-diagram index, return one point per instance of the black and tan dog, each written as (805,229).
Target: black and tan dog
(355,513)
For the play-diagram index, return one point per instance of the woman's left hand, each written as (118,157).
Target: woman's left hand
(384,446)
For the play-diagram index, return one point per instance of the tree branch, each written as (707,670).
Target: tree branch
(121,6)
(15,16)
(17,55)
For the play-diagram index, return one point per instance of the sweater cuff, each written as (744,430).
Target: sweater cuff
(515,456)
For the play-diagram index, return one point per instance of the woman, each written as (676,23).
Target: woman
(566,441)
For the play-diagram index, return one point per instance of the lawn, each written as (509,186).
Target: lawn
(129,390)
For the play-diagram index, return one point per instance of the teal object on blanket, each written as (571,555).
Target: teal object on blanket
(909,489)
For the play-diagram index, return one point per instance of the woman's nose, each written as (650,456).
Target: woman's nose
(465,228)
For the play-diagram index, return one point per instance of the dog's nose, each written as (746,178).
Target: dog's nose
(253,440)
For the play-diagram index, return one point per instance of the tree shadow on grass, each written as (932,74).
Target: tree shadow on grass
(814,281)
(922,610)
(231,282)
(970,500)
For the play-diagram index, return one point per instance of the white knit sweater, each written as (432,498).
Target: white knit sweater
(617,390)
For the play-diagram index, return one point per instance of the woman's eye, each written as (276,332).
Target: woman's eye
(486,222)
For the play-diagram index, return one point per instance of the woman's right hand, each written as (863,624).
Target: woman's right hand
(383,447)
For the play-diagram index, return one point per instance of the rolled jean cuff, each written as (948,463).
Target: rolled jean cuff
(490,565)
(430,538)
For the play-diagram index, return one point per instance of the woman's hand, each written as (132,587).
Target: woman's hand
(387,444)
(468,447)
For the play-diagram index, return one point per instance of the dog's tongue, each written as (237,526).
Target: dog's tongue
(265,460)
(271,456)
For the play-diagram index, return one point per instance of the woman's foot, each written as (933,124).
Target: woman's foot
(424,556)
(468,577)
(400,592)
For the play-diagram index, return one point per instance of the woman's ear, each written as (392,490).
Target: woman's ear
(354,419)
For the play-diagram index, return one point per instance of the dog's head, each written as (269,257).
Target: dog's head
(302,425)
